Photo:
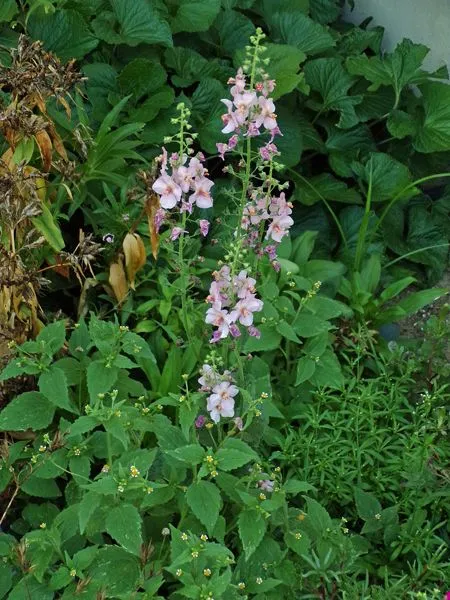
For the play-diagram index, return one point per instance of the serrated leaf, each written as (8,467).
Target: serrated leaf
(63,32)
(89,503)
(100,379)
(389,176)
(401,124)
(315,189)
(328,77)
(151,107)
(204,500)
(284,67)
(30,410)
(118,568)
(194,15)
(398,69)
(53,384)
(252,528)
(124,524)
(325,11)
(234,31)
(296,29)
(433,134)
(141,76)
(193,454)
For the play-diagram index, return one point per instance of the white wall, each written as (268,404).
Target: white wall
(422,21)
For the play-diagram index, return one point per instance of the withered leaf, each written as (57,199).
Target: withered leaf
(135,255)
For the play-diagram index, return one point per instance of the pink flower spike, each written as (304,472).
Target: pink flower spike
(204,227)
(168,191)
(175,233)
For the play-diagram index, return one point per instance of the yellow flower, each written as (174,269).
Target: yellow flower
(43,525)
(73,572)
(204,537)
(207,572)
(178,572)
(134,471)
(184,537)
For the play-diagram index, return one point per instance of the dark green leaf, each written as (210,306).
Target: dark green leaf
(252,527)
(115,569)
(123,523)
(204,500)
(298,30)
(366,505)
(328,371)
(433,133)
(194,15)
(30,410)
(141,76)
(8,10)
(389,177)
(325,11)
(305,369)
(234,30)
(53,384)
(100,379)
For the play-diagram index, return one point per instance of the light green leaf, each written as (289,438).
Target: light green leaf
(433,133)
(307,325)
(398,69)
(389,176)
(252,527)
(89,503)
(46,224)
(233,454)
(100,379)
(296,29)
(193,454)
(204,500)
(328,371)
(53,336)
(305,369)
(30,410)
(194,15)
(287,331)
(53,384)
(116,568)
(141,76)
(417,300)
(328,77)
(63,32)
(366,505)
(124,524)
(8,10)
(269,340)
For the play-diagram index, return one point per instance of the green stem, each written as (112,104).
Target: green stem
(364,225)
(403,256)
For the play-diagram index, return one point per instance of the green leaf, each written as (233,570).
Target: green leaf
(63,32)
(233,454)
(30,410)
(124,524)
(328,371)
(414,302)
(307,325)
(287,331)
(325,11)
(252,528)
(141,76)
(401,124)
(312,190)
(317,519)
(433,133)
(284,67)
(8,10)
(269,340)
(53,336)
(89,503)
(206,96)
(204,500)
(234,31)
(151,107)
(190,66)
(389,176)
(53,384)
(290,144)
(6,578)
(139,23)
(46,224)
(115,569)
(100,379)
(305,369)
(193,454)
(29,587)
(296,29)
(366,505)
(194,15)
(398,69)
(328,77)
(41,488)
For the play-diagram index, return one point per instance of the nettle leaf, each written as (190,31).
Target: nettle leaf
(325,11)
(315,189)
(124,524)
(397,69)
(53,384)
(63,32)
(234,453)
(116,570)
(141,76)
(100,379)
(328,77)
(389,177)
(140,23)
(433,133)
(204,500)
(194,15)
(296,29)
(252,528)
(30,410)
(234,30)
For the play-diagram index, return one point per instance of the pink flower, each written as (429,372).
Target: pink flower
(234,330)
(244,285)
(221,149)
(183,177)
(201,195)
(219,318)
(279,227)
(204,227)
(160,215)
(266,485)
(168,191)
(232,142)
(208,378)
(447,596)
(244,309)
(175,233)
(254,332)
(221,402)
(200,421)
(266,115)
(195,166)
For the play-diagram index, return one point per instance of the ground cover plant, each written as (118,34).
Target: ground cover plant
(209,225)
